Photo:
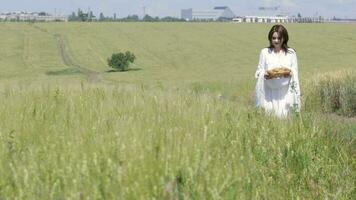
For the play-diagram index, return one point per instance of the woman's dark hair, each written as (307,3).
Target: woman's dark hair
(283,33)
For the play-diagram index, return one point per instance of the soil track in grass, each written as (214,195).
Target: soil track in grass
(93,76)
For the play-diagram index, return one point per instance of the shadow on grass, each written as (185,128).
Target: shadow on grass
(68,71)
(130,69)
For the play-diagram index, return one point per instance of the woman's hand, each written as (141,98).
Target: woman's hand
(267,76)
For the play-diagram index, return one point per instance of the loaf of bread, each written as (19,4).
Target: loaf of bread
(278,72)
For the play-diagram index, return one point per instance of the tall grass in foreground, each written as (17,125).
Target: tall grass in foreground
(334,93)
(114,143)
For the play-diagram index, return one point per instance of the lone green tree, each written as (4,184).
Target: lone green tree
(121,61)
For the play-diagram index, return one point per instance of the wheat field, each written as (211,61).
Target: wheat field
(180,125)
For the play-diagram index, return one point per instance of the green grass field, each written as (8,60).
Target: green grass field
(180,125)
(172,54)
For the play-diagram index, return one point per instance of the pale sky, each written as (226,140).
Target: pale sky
(326,8)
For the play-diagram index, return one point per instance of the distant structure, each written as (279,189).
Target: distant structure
(219,12)
(264,19)
(268,7)
(266,14)
(143,11)
(31,16)
(275,14)
(278,19)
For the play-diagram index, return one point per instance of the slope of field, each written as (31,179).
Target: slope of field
(28,55)
(180,125)
(213,55)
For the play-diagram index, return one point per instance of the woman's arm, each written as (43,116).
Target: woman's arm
(294,63)
(261,65)
(295,87)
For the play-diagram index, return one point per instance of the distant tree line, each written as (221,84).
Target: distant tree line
(89,17)
(82,16)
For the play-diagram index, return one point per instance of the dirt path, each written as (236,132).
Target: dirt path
(92,76)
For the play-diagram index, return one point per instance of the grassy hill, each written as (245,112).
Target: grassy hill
(169,53)
(181,125)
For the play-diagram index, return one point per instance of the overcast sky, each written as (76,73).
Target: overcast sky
(326,8)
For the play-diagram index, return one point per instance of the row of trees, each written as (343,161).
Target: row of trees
(82,16)
(89,16)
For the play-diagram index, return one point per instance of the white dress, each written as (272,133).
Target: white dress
(278,96)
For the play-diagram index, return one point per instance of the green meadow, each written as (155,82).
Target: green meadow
(181,123)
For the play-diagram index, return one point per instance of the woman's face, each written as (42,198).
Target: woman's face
(277,40)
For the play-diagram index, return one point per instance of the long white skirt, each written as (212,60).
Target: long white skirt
(274,96)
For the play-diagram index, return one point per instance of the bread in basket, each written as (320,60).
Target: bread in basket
(278,73)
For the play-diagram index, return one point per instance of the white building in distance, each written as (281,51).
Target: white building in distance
(217,13)
(267,14)
(31,16)
(263,19)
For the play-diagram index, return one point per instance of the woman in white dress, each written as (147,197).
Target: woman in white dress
(278,96)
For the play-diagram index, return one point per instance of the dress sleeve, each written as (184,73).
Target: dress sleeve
(294,62)
(295,87)
(261,65)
